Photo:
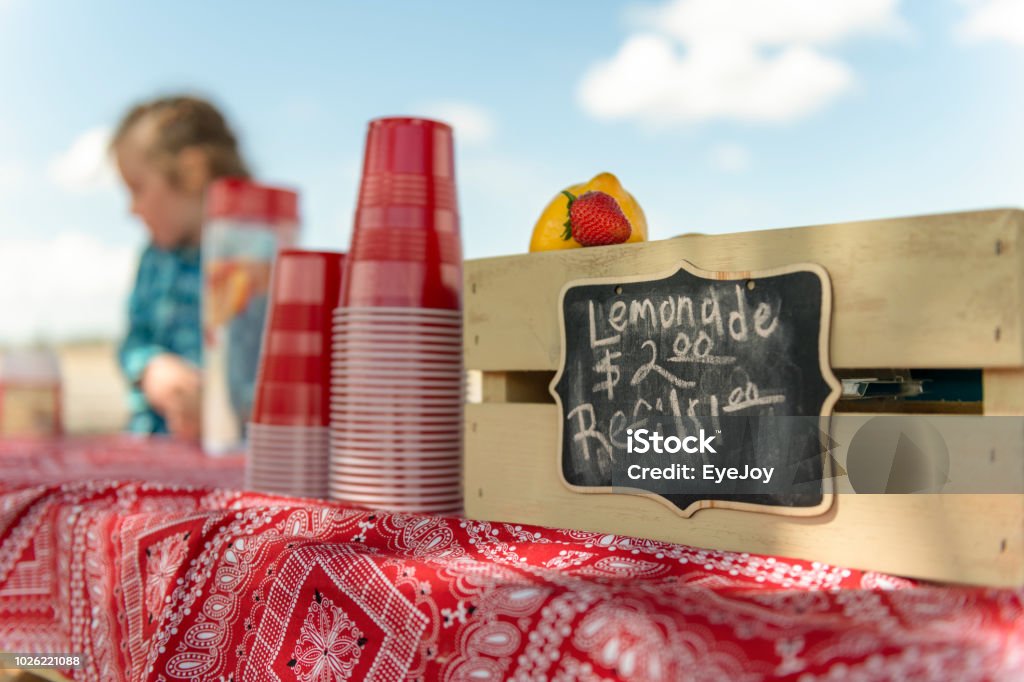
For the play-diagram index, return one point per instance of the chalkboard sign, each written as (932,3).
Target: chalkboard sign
(734,365)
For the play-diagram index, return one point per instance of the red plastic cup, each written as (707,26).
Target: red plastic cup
(398,463)
(405,498)
(294,378)
(300,440)
(406,250)
(292,404)
(436,314)
(304,291)
(398,503)
(363,477)
(372,441)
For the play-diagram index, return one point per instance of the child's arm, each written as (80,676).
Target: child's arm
(171,385)
(168,382)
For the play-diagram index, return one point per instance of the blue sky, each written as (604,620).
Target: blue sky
(719,115)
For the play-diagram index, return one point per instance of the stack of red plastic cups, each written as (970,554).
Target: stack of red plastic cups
(397,372)
(288,437)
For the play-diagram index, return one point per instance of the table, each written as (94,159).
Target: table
(147,558)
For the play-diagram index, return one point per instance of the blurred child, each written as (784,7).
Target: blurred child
(168,150)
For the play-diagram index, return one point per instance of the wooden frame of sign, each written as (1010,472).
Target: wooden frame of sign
(929,292)
(822,407)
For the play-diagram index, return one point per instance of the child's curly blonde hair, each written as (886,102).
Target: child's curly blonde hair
(182,122)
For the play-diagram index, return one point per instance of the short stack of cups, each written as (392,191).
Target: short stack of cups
(397,384)
(288,439)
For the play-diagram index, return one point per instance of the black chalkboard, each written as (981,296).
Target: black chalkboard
(734,354)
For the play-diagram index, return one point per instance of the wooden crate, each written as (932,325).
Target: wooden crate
(929,292)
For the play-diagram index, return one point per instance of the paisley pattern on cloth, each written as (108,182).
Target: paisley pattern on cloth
(165,581)
(329,644)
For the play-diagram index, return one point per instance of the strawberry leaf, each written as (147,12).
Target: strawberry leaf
(567,233)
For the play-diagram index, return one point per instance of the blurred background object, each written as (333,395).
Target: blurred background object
(30,393)
(246,224)
(92,388)
(720,116)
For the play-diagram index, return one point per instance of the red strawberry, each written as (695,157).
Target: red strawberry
(595,219)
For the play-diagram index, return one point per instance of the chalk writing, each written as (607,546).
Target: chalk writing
(682,354)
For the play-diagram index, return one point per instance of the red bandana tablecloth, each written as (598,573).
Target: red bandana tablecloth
(144,557)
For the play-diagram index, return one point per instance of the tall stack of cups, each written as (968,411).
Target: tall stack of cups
(288,436)
(397,372)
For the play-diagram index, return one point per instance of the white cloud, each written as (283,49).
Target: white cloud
(472,124)
(776,23)
(69,285)
(747,60)
(993,20)
(86,165)
(730,158)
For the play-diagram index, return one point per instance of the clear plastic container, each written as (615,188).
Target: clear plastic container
(246,225)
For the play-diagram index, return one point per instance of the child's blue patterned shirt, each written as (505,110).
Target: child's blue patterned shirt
(163,317)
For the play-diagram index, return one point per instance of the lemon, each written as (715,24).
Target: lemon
(547,233)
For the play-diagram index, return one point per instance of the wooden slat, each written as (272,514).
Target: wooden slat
(50,675)
(532,387)
(1003,389)
(923,292)
(34,675)
(516,387)
(511,475)
(1003,392)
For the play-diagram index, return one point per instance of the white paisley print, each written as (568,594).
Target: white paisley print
(329,644)
(164,581)
(162,562)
